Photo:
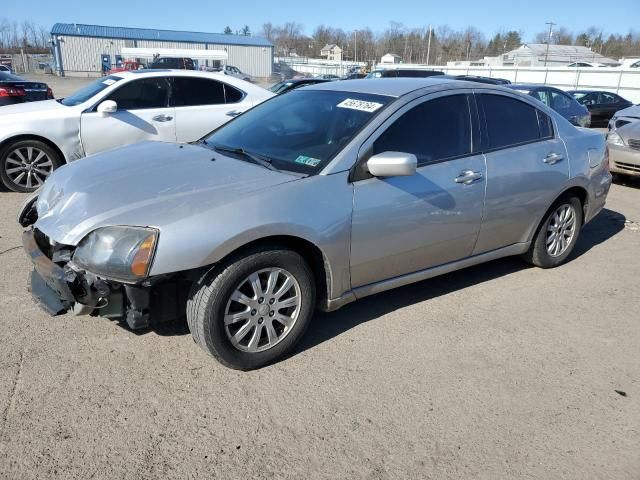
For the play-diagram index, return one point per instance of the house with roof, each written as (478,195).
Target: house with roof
(541,54)
(331,52)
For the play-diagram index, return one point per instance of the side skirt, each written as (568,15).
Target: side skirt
(402,280)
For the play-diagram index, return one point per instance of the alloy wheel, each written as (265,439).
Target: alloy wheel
(262,310)
(28,167)
(561,230)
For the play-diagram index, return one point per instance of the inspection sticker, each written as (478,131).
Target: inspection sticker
(109,81)
(310,161)
(359,105)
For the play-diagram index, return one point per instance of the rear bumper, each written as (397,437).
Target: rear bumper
(49,287)
(624,160)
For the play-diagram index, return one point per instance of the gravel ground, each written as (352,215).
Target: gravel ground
(497,371)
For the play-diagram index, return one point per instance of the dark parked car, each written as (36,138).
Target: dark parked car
(480,79)
(403,72)
(354,76)
(601,105)
(560,101)
(183,63)
(14,89)
(288,85)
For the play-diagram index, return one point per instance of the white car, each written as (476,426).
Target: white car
(236,72)
(117,110)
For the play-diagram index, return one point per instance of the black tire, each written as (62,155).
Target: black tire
(7,164)
(209,296)
(538,254)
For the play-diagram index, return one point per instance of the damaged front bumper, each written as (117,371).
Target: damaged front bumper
(57,287)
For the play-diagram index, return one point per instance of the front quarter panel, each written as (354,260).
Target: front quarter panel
(316,209)
(61,126)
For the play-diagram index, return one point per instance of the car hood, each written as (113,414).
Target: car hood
(150,184)
(633,111)
(43,107)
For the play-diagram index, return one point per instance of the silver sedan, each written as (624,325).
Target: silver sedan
(312,199)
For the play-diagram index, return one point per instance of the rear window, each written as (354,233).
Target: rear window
(509,121)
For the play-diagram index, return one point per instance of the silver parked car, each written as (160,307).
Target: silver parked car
(624,141)
(312,199)
(120,109)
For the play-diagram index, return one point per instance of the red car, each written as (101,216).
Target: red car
(126,66)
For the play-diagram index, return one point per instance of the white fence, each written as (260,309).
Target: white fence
(625,82)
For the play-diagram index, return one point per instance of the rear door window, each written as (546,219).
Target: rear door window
(509,121)
(435,130)
(191,91)
(142,94)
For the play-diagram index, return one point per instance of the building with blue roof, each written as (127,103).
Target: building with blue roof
(90,50)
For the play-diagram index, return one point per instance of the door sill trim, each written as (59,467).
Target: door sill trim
(402,280)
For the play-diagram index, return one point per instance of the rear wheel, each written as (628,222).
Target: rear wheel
(557,235)
(253,310)
(26,164)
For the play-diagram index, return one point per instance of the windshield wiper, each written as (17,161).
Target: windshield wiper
(252,157)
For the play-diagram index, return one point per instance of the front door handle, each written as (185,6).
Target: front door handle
(468,177)
(162,118)
(552,158)
(233,113)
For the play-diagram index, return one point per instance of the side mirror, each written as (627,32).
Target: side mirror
(107,107)
(392,164)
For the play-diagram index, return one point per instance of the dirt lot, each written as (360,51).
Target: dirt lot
(498,371)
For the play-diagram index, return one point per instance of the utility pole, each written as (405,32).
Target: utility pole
(429,45)
(355,45)
(546,55)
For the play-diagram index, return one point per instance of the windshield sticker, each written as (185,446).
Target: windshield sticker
(359,105)
(109,81)
(310,161)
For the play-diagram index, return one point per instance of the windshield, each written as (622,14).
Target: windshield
(302,130)
(8,77)
(89,91)
(578,95)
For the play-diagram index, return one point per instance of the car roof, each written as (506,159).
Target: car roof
(526,86)
(219,76)
(393,87)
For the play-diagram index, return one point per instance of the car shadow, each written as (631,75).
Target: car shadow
(627,181)
(326,326)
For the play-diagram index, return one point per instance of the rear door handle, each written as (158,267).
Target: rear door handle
(233,113)
(162,118)
(552,158)
(468,177)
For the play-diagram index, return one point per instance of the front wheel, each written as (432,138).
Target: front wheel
(254,309)
(557,235)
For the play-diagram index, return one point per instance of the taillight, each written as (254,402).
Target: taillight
(12,92)
(50,93)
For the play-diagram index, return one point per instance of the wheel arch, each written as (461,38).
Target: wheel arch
(574,190)
(312,254)
(28,136)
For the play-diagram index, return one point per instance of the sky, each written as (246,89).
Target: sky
(488,16)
